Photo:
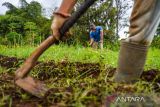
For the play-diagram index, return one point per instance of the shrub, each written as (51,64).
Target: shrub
(14,38)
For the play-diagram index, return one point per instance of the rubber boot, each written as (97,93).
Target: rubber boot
(131,61)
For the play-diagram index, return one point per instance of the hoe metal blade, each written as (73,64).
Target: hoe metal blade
(35,87)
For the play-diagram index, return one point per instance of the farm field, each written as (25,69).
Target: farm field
(78,68)
(76,76)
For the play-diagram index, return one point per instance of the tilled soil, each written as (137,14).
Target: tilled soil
(63,96)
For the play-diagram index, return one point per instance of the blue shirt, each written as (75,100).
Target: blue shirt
(95,35)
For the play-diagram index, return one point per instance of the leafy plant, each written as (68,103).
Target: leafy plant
(14,38)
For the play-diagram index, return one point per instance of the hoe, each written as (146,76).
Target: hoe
(28,83)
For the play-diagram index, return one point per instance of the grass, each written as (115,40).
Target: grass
(153,59)
(86,90)
(62,52)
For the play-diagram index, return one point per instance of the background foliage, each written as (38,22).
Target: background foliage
(27,25)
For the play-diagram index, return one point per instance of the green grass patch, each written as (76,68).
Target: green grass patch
(62,52)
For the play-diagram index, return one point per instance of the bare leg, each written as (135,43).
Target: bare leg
(31,61)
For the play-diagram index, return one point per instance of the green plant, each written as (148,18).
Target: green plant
(14,38)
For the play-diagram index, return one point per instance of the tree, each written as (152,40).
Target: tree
(31,32)
(34,10)
(102,13)
(122,7)
(11,7)
(15,23)
(23,3)
(16,20)
(10,23)
(4,25)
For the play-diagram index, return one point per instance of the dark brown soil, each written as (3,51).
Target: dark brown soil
(47,70)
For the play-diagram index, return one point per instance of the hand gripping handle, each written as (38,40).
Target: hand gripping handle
(71,21)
